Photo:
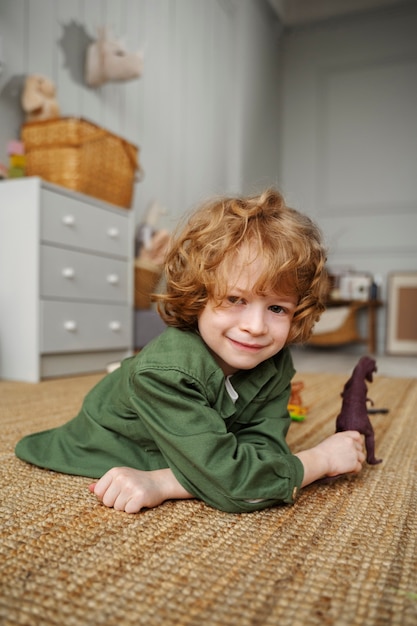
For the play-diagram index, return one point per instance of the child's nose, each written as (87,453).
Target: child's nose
(253,321)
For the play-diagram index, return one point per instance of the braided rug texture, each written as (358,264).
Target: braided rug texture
(344,554)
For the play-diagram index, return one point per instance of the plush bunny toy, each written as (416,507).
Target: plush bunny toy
(38,98)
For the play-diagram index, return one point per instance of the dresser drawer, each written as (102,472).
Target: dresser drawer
(78,224)
(78,326)
(81,276)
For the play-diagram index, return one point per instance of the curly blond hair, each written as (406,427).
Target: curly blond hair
(203,251)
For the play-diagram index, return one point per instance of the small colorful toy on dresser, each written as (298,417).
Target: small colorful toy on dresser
(17,159)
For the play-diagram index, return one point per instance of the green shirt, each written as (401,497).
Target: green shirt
(168,407)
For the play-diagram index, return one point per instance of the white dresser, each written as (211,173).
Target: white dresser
(66,281)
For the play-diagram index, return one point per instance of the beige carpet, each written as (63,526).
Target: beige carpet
(344,554)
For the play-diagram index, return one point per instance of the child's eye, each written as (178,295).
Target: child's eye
(276,308)
(234,299)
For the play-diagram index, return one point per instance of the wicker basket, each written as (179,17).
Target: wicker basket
(147,277)
(77,154)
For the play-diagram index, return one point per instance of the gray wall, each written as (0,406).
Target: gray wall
(194,112)
(348,151)
(229,102)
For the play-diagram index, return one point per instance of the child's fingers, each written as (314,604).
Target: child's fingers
(354,434)
(102,485)
(92,487)
(357,438)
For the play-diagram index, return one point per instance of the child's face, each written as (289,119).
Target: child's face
(247,328)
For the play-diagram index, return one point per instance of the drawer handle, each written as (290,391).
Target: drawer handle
(70,326)
(68,220)
(115,326)
(113,232)
(113,279)
(68,272)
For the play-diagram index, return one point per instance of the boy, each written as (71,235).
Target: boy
(201,412)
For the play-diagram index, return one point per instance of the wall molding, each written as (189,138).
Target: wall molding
(325,79)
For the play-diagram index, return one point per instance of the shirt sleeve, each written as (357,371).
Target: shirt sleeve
(245,468)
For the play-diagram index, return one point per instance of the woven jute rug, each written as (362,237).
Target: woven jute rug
(344,554)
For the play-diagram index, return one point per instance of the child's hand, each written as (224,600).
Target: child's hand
(341,453)
(130,490)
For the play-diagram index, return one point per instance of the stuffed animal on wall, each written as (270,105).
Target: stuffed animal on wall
(108,60)
(354,413)
(39,98)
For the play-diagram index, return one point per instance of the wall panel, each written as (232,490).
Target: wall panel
(349,138)
(42,18)
(14,33)
(68,90)
(364,132)
(91,17)
(179,112)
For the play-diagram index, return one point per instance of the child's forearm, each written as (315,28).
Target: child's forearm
(315,466)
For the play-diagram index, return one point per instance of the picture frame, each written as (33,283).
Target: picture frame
(401,336)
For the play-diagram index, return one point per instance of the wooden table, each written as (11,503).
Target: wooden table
(348,332)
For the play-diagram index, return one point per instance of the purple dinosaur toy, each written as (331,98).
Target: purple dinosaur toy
(354,414)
